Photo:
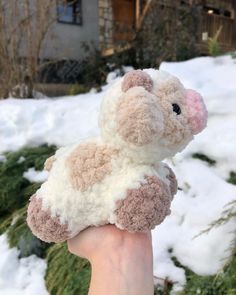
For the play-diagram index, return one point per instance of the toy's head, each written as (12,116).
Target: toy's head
(149,115)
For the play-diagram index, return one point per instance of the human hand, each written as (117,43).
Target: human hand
(96,241)
(121,261)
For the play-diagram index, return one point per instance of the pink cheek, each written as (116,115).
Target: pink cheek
(197,112)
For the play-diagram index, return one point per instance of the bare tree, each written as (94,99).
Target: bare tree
(24,27)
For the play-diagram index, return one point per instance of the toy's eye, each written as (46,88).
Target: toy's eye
(176,108)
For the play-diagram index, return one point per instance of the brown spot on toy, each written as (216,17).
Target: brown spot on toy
(173,181)
(137,78)
(138,117)
(145,207)
(49,163)
(89,164)
(43,225)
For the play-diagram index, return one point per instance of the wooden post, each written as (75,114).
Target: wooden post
(234,24)
(137,9)
(143,13)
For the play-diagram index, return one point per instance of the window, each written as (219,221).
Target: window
(218,11)
(69,11)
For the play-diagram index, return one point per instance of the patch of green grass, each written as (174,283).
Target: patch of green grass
(66,274)
(204,158)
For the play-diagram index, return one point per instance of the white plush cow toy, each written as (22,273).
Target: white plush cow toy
(118,178)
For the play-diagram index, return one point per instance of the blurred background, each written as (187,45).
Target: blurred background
(49,42)
(57,58)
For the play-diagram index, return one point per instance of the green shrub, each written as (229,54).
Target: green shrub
(78,89)
(204,158)
(213,44)
(15,190)
(66,274)
(165,289)
(233,54)
(223,283)
(19,235)
(232,177)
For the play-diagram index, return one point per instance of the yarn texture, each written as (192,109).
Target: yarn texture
(119,177)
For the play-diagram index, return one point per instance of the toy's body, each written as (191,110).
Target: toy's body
(119,178)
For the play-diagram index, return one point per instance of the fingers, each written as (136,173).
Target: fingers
(79,244)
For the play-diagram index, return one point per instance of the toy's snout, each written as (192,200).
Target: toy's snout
(197,113)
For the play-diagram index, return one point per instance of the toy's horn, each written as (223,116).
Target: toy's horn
(137,78)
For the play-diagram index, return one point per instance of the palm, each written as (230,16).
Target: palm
(94,240)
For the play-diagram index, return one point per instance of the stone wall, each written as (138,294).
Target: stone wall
(105,24)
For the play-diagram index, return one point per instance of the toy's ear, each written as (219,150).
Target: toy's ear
(138,117)
(137,78)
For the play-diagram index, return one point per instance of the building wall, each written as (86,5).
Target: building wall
(65,40)
(105,24)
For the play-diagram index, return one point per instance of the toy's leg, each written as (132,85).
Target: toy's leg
(43,225)
(173,181)
(145,207)
(48,163)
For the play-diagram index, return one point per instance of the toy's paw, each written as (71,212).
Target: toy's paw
(145,207)
(43,225)
(173,182)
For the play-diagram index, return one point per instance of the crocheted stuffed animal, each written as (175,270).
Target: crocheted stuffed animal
(119,178)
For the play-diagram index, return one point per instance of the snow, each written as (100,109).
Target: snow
(59,121)
(35,176)
(200,202)
(21,160)
(24,276)
(204,191)
(2,158)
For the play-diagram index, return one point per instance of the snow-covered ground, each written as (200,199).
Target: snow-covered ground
(204,191)
(35,176)
(20,276)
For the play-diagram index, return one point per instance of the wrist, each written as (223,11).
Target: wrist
(124,265)
(121,242)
